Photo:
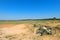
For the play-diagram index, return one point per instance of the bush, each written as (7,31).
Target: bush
(35,25)
(58,27)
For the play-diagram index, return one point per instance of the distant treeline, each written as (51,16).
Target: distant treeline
(33,19)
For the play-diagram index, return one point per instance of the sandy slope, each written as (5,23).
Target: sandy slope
(23,32)
(17,29)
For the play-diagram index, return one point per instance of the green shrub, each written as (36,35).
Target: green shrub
(35,25)
(58,27)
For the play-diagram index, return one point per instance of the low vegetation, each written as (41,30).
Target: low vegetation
(58,27)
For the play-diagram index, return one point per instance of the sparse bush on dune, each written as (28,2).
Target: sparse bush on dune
(35,25)
(58,27)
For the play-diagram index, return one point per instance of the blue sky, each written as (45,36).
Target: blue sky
(29,9)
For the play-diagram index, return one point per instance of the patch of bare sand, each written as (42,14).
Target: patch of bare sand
(17,29)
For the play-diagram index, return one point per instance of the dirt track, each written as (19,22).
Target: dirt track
(24,32)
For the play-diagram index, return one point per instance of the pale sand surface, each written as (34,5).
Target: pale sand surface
(23,32)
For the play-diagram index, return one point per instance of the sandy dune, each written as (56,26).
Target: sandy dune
(24,32)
